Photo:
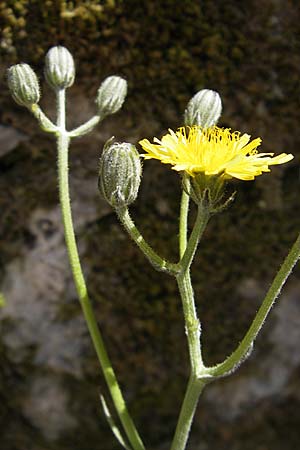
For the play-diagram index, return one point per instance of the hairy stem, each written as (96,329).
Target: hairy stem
(192,327)
(192,323)
(86,127)
(109,374)
(199,227)
(188,409)
(239,354)
(157,262)
(44,122)
(184,210)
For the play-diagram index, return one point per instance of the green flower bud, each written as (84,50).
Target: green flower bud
(203,109)
(111,95)
(59,68)
(120,172)
(23,85)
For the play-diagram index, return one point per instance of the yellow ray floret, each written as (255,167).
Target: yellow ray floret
(212,151)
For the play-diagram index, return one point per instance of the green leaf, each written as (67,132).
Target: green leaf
(112,424)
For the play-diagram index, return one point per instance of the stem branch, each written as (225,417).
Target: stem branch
(86,127)
(239,354)
(157,262)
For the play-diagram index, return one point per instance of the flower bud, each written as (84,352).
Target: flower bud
(111,95)
(119,173)
(23,84)
(59,68)
(203,109)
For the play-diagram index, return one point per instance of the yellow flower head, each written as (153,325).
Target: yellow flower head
(212,151)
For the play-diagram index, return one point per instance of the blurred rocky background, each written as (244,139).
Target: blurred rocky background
(167,50)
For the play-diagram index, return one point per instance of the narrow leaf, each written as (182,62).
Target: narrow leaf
(112,424)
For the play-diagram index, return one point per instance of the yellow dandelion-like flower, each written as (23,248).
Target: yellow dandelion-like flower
(212,151)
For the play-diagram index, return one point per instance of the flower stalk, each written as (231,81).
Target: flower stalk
(187,413)
(237,357)
(192,324)
(63,140)
(183,218)
(155,260)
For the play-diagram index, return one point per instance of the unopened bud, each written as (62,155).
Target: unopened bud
(23,85)
(120,172)
(59,68)
(111,95)
(204,109)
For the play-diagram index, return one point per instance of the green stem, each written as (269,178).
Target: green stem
(192,323)
(184,210)
(44,122)
(86,127)
(192,326)
(193,391)
(110,377)
(235,359)
(156,261)
(199,227)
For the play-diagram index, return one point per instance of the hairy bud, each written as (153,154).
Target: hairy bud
(59,68)
(203,109)
(119,174)
(23,85)
(111,95)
